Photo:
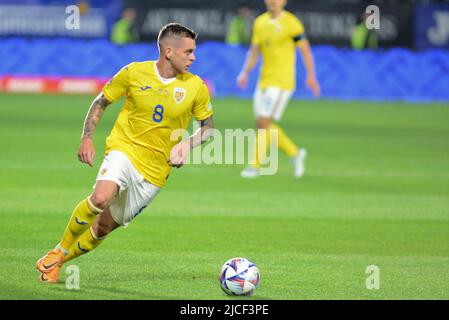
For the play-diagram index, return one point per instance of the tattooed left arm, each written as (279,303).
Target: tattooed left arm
(203,133)
(179,153)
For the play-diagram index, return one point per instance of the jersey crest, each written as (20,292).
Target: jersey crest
(179,94)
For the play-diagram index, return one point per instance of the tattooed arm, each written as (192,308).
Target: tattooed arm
(178,154)
(203,133)
(86,151)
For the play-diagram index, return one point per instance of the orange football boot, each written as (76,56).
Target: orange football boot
(50,277)
(51,261)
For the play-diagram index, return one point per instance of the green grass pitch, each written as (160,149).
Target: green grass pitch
(376,192)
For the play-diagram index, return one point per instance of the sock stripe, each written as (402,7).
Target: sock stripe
(92,233)
(92,207)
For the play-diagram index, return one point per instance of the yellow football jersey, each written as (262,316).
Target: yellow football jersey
(153,108)
(277,39)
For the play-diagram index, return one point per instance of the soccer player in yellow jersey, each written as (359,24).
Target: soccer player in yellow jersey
(161,96)
(276,34)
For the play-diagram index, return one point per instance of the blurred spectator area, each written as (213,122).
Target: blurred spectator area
(40,54)
(417,24)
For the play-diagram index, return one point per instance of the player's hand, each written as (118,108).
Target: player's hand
(242,80)
(179,153)
(312,84)
(86,151)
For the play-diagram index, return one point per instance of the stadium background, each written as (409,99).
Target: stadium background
(377,185)
(28,39)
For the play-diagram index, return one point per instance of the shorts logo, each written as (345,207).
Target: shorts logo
(140,210)
(103,171)
(179,94)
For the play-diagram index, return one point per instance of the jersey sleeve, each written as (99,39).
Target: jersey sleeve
(202,107)
(115,88)
(297,30)
(255,37)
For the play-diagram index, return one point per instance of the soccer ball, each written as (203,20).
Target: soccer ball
(239,277)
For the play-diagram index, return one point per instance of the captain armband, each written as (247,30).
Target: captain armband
(300,37)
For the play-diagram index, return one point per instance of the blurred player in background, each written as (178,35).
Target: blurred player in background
(125,30)
(362,37)
(161,96)
(276,34)
(239,28)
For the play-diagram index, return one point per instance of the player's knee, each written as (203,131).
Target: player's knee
(263,123)
(100,200)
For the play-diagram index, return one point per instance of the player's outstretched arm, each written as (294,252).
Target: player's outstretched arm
(307,58)
(251,60)
(180,151)
(86,151)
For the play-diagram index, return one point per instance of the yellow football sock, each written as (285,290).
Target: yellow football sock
(260,148)
(85,243)
(284,142)
(82,218)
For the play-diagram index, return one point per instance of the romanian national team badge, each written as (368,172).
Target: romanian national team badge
(179,94)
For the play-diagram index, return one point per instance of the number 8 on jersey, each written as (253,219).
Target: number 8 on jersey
(158,114)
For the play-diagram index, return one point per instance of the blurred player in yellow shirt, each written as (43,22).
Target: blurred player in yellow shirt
(276,34)
(161,97)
